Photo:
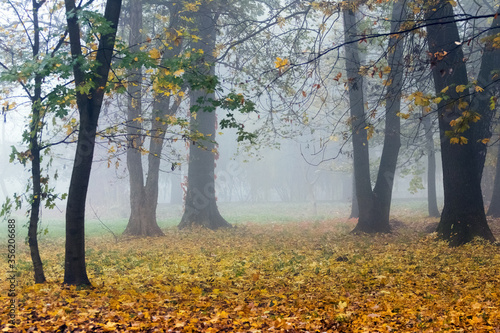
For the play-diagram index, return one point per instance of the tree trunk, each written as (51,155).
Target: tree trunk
(35,163)
(392,142)
(201,206)
(142,220)
(361,158)
(144,197)
(374,206)
(494,209)
(463,215)
(37,189)
(487,79)
(89,107)
(431,167)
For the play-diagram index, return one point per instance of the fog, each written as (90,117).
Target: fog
(301,159)
(288,178)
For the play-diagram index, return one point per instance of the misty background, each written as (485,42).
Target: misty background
(289,179)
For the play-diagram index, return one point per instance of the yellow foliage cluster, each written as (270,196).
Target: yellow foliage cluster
(280,63)
(295,277)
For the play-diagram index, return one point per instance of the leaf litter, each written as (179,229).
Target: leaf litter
(290,277)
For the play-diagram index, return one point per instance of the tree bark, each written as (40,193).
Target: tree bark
(463,216)
(142,220)
(89,107)
(144,196)
(361,158)
(487,79)
(37,188)
(35,154)
(431,167)
(494,209)
(392,142)
(374,206)
(200,205)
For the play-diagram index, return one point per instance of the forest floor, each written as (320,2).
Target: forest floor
(264,277)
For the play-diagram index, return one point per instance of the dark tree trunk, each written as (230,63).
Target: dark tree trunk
(431,167)
(374,206)
(144,197)
(494,209)
(89,107)
(487,79)
(201,206)
(392,142)
(463,216)
(361,160)
(37,188)
(35,163)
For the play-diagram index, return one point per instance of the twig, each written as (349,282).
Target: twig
(105,226)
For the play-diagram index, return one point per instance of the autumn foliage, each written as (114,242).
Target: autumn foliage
(295,277)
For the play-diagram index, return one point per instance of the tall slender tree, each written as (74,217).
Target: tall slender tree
(144,192)
(90,88)
(374,205)
(361,160)
(200,205)
(36,110)
(35,80)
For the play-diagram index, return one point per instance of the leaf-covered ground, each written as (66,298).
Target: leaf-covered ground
(292,277)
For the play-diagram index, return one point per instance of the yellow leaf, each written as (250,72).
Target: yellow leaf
(155,54)
(109,327)
(179,72)
(196,290)
(460,88)
(485,140)
(370,129)
(281,21)
(445,90)
(279,63)
(463,105)
(437,100)
(454,141)
(478,89)
(493,101)
(403,115)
